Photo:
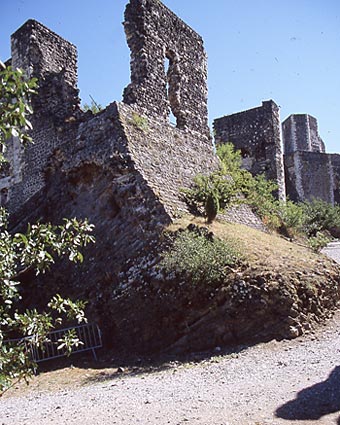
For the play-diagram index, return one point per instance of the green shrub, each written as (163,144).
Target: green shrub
(201,259)
(94,107)
(231,162)
(319,216)
(213,193)
(319,241)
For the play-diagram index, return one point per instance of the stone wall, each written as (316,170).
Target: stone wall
(310,172)
(257,134)
(309,175)
(168,65)
(300,133)
(52,60)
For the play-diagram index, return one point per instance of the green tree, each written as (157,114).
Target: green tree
(34,250)
(94,107)
(211,193)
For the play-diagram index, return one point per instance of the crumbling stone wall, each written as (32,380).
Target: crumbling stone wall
(300,133)
(310,172)
(257,134)
(42,54)
(309,175)
(156,36)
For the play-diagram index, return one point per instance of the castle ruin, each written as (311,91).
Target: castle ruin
(310,171)
(123,169)
(257,134)
(293,156)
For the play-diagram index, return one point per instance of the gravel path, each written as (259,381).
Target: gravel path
(333,251)
(275,383)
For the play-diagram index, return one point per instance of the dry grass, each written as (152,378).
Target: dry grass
(268,251)
(263,252)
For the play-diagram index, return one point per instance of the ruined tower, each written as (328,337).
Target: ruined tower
(42,54)
(310,172)
(168,66)
(257,134)
(300,133)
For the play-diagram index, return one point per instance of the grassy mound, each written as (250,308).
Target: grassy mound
(274,289)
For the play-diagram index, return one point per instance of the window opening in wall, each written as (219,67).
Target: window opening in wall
(172,117)
(174,83)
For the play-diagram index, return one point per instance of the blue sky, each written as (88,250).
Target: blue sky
(288,51)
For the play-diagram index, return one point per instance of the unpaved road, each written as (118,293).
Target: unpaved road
(275,383)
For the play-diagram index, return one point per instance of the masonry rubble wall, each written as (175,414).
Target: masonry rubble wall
(157,38)
(123,168)
(42,54)
(310,172)
(257,134)
(300,133)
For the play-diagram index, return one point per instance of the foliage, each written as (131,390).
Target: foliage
(34,250)
(230,158)
(15,92)
(140,122)
(319,216)
(200,259)
(261,198)
(319,241)
(231,162)
(292,215)
(231,184)
(213,192)
(94,107)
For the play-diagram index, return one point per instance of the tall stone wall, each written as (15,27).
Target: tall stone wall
(310,172)
(122,168)
(310,175)
(335,161)
(168,65)
(42,54)
(257,134)
(300,133)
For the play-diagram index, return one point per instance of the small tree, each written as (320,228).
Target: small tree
(212,193)
(33,250)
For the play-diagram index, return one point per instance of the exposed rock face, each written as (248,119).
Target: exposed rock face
(257,134)
(250,304)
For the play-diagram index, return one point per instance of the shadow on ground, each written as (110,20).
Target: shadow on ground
(314,402)
(110,367)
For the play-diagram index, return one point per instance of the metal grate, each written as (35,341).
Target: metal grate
(89,334)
